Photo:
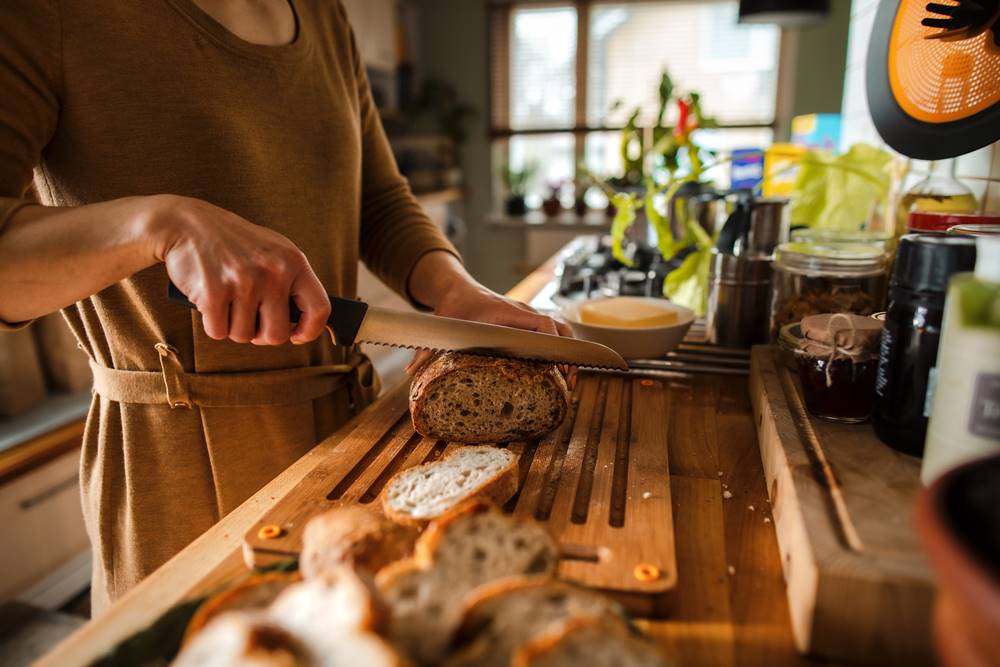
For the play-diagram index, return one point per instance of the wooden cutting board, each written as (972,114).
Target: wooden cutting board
(859,587)
(600,483)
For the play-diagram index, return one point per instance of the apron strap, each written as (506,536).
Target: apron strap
(179,389)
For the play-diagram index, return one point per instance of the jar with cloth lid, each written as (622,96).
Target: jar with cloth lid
(838,360)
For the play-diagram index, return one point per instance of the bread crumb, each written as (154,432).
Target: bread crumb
(751,508)
(767,519)
(647,495)
(720,473)
(768,501)
(727,494)
(732,570)
(725,486)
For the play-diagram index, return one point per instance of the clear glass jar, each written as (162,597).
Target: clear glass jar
(816,236)
(814,278)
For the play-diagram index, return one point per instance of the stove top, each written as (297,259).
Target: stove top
(587,269)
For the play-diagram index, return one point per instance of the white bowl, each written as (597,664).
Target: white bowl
(633,343)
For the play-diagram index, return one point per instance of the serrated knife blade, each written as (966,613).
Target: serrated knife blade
(353,322)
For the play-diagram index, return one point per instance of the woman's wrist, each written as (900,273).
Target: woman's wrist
(437,274)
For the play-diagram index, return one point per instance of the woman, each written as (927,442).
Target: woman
(232,147)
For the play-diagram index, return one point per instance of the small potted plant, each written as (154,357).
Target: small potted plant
(553,204)
(516,181)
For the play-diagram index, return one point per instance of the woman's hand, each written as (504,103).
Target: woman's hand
(439,280)
(239,275)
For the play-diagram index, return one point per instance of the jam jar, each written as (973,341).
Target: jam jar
(838,362)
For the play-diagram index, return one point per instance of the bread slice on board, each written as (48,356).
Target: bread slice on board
(474,399)
(501,618)
(583,641)
(357,536)
(419,494)
(469,546)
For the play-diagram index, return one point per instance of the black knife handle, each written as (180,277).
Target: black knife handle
(346,315)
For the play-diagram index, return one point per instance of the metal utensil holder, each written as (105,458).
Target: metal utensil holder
(740,275)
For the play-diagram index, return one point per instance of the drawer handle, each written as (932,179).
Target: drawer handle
(53,490)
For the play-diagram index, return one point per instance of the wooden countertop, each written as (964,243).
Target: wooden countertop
(730,608)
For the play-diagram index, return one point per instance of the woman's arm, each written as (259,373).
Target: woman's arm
(239,275)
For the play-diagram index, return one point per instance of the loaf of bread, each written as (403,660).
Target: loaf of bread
(424,492)
(584,640)
(357,536)
(474,399)
(501,618)
(472,545)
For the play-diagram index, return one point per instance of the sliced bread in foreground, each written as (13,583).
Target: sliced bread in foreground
(474,399)
(472,545)
(419,494)
(501,618)
(356,536)
(586,641)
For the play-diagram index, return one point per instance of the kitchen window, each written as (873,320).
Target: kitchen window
(566,76)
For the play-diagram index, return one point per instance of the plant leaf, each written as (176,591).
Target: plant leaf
(838,192)
(625,204)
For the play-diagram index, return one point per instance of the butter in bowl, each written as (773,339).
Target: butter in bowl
(634,327)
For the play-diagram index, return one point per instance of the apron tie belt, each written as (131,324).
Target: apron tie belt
(177,388)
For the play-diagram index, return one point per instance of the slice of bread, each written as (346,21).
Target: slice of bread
(246,640)
(474,399)
(499,619)
(472,545)
(257,592)
(419,494)
(582,641)
(357,536)
(333,603)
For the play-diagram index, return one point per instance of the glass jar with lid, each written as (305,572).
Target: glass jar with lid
(817,278)
(814,235)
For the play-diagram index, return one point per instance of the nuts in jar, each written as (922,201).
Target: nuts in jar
(813,278)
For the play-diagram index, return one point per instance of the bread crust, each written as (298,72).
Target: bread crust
(538,647)
(495,491)
(523,372)
(356,536)
(256,592)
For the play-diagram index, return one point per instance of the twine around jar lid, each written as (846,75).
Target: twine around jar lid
(840,336)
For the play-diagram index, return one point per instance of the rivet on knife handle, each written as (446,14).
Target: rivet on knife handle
(346,315)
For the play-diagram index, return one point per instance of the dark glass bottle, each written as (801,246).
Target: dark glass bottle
(924,264)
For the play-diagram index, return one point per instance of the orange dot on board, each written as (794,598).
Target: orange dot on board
(269,532)
(646,572)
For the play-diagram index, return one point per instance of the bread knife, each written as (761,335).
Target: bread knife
(354,321)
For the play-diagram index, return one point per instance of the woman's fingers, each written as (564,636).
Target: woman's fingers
(214,309)
(243,317)
(308,293)
(273,324)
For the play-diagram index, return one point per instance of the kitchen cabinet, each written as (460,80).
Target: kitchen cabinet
(374,23)
(43,525)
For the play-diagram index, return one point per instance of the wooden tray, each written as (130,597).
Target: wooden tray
(859,587)
(600,483)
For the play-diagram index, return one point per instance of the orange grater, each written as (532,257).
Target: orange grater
(933,76)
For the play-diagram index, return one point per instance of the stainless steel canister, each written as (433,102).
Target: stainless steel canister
(739,292)
(769,223)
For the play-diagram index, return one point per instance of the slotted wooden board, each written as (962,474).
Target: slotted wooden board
(859,587)
(600,483)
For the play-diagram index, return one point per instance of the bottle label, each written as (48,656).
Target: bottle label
(931,388)
(984,416)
